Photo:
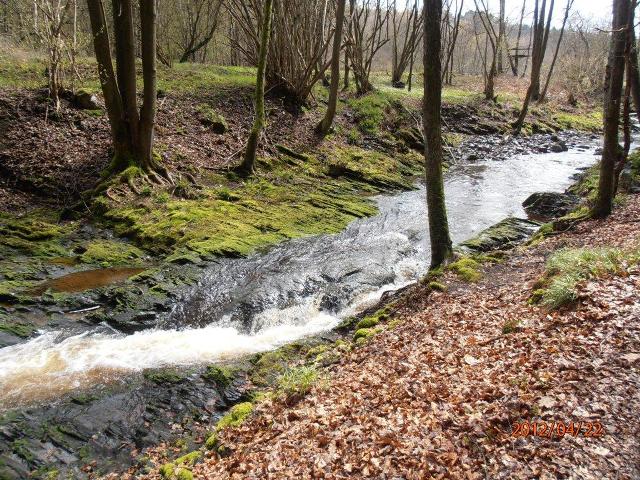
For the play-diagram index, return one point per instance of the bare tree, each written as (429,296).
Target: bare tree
(50,31)
(633,73)
(301,35)
(325,124)
(518,50)
(199,21)
(492,40)
(367,34)
(407,33)
(567,10)
(540,38)
(450,39)
(132,130)
(614,75)
(247,165)
(501,36)
(441,249)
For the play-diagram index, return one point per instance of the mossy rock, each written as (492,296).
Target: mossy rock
(221,376)
(268,366)
(166,376)
(107,253)
(440,287)
(504,234)
(365,333)
(22,330)
(209,117)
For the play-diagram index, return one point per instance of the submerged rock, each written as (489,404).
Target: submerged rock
(550,204)
(504,234)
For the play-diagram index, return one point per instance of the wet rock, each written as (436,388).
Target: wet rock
(559,146)
(85,100)
(504,234)
(105,425)
(550,204)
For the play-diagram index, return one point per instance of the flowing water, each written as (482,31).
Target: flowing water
(296,289)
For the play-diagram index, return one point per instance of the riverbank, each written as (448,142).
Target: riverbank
(172,236)
(439,383)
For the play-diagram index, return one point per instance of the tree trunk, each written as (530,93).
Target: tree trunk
(248,164)
(126,63)
(148,14)
(517,55)
(555,54)
(107,76)
(633,75)
(613,92)
(501,33)
(131,130)
(325,125)
(441,248)
(345,85)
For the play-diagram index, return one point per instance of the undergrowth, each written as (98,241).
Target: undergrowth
(568,267)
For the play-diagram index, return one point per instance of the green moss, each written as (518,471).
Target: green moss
(179,469)
(441,287)
(364,333)
(367,322)
(581,121)
(317,350)
(23,330)
(107,253)
(370,110)
(221,376)
(211,443)
(467,269)
(164,376)
(211,118)
(510,326)
(236,416)
(38,234)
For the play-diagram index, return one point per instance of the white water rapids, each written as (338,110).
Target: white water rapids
(288,286)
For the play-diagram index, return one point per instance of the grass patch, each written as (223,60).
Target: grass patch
(568,267)
(296,382)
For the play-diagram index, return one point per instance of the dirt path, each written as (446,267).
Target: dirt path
(439,395)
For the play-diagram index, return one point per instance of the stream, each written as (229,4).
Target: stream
(296,289)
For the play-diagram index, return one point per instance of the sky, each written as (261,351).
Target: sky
(597,9)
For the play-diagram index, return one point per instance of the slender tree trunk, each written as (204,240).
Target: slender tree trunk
(148,14)
(107,76)
(517,55)
(501,34)
(633,76)
(613,92)
(325,125)
(441,248)
(248,164)
(535,79)
(345,84)
(555,53)
(126,63)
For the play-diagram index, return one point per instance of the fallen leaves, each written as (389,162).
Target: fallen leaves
(437,396)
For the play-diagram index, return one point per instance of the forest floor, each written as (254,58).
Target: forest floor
(304,186)
(445,387)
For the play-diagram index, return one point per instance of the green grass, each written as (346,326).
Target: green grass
(24,69)
(298,381)
(568,267)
